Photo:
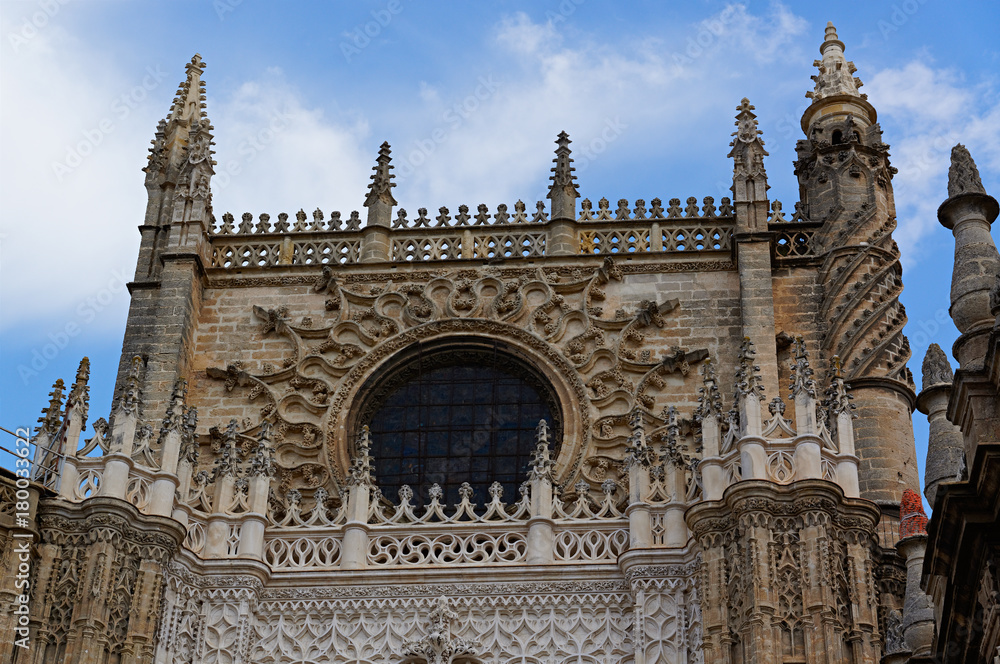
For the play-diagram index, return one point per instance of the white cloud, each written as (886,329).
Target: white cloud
(927,111)
(489,140)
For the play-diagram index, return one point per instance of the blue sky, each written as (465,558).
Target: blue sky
(471,97)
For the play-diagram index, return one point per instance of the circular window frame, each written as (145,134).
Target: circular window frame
(422,359)
(574,405)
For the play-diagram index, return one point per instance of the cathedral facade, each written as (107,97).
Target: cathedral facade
(566,432)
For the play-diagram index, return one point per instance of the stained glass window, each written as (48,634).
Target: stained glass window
(453,417)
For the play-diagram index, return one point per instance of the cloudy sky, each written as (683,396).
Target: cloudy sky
(470,95)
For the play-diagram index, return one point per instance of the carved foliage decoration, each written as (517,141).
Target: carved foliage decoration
(605,360)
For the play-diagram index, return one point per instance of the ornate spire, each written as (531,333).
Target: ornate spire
(263,458)
(747,131)
(51,418)
(362,471)
(749,176)
(228,461)
(189,444)
(562,172)
(709,398)
(913,519)
(963,176)
(802,373)
(79,393)
(380,187)
(189,102)
(541,459)
(838,399)
(936,368)
(173,419)
(128,397)
(836,74)
(637,450)
(748,380)
(563,192)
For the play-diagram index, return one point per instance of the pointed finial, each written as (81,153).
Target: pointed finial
(709,398)
(51,417)
(837,399)
(128,397)
(836,74)
(831,35)
(362,471)
(746,124)
(228,461)
(936,368)
(749,175)
(748,379)
(963,176)
(79,393)
(563,191)
(380,187)
(263,459)
(802,373)
(189,101)
(541,459)
(174,418)
(913,519)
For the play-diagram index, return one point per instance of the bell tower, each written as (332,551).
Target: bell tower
(845,182)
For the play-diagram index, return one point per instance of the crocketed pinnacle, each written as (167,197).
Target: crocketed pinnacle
(562,178)
(52,415)
(380,187)
(836,74)
(802,374)
(79,393)
(936,368)
(709,399)
(189,102)
(541,459)
(749,176)
(963,176)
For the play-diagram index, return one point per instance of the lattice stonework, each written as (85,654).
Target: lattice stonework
(696,239)
(509,246)
(325,252)
(427,249)
(613,242)
(256,254)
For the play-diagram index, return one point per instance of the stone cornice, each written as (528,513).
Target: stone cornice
(879,382)
(61,518)
(929,393)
